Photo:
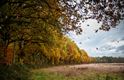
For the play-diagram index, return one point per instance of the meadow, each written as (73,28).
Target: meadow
(100,71)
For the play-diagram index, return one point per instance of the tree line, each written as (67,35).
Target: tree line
(31,32)
(35,29)
(106,59)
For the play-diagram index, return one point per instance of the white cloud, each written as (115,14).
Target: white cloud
(116,43)
(101,43)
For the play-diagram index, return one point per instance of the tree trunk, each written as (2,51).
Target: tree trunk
(21,52)
(14,51)
(5,46)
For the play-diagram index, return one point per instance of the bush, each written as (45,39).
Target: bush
(14,72)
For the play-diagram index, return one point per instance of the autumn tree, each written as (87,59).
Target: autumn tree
(25,22)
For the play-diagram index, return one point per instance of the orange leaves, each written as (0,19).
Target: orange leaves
(9,57)
(85,56)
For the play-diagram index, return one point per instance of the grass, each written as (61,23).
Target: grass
(46,75)
(21,72)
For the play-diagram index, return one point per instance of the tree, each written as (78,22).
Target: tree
(31,21)
(26,22)
(109,12)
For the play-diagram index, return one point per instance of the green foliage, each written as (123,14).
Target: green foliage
(106,59)
(14,72)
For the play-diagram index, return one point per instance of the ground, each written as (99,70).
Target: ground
(101,71)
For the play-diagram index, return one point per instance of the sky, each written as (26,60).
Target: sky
(102,43)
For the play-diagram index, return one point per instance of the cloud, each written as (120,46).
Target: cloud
(108,43)
(120,49)
(122,39)
(107,48)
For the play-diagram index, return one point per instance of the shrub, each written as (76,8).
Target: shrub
(14,72)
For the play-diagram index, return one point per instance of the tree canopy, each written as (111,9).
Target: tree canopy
(68,14)
(42,23)
(109,12)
